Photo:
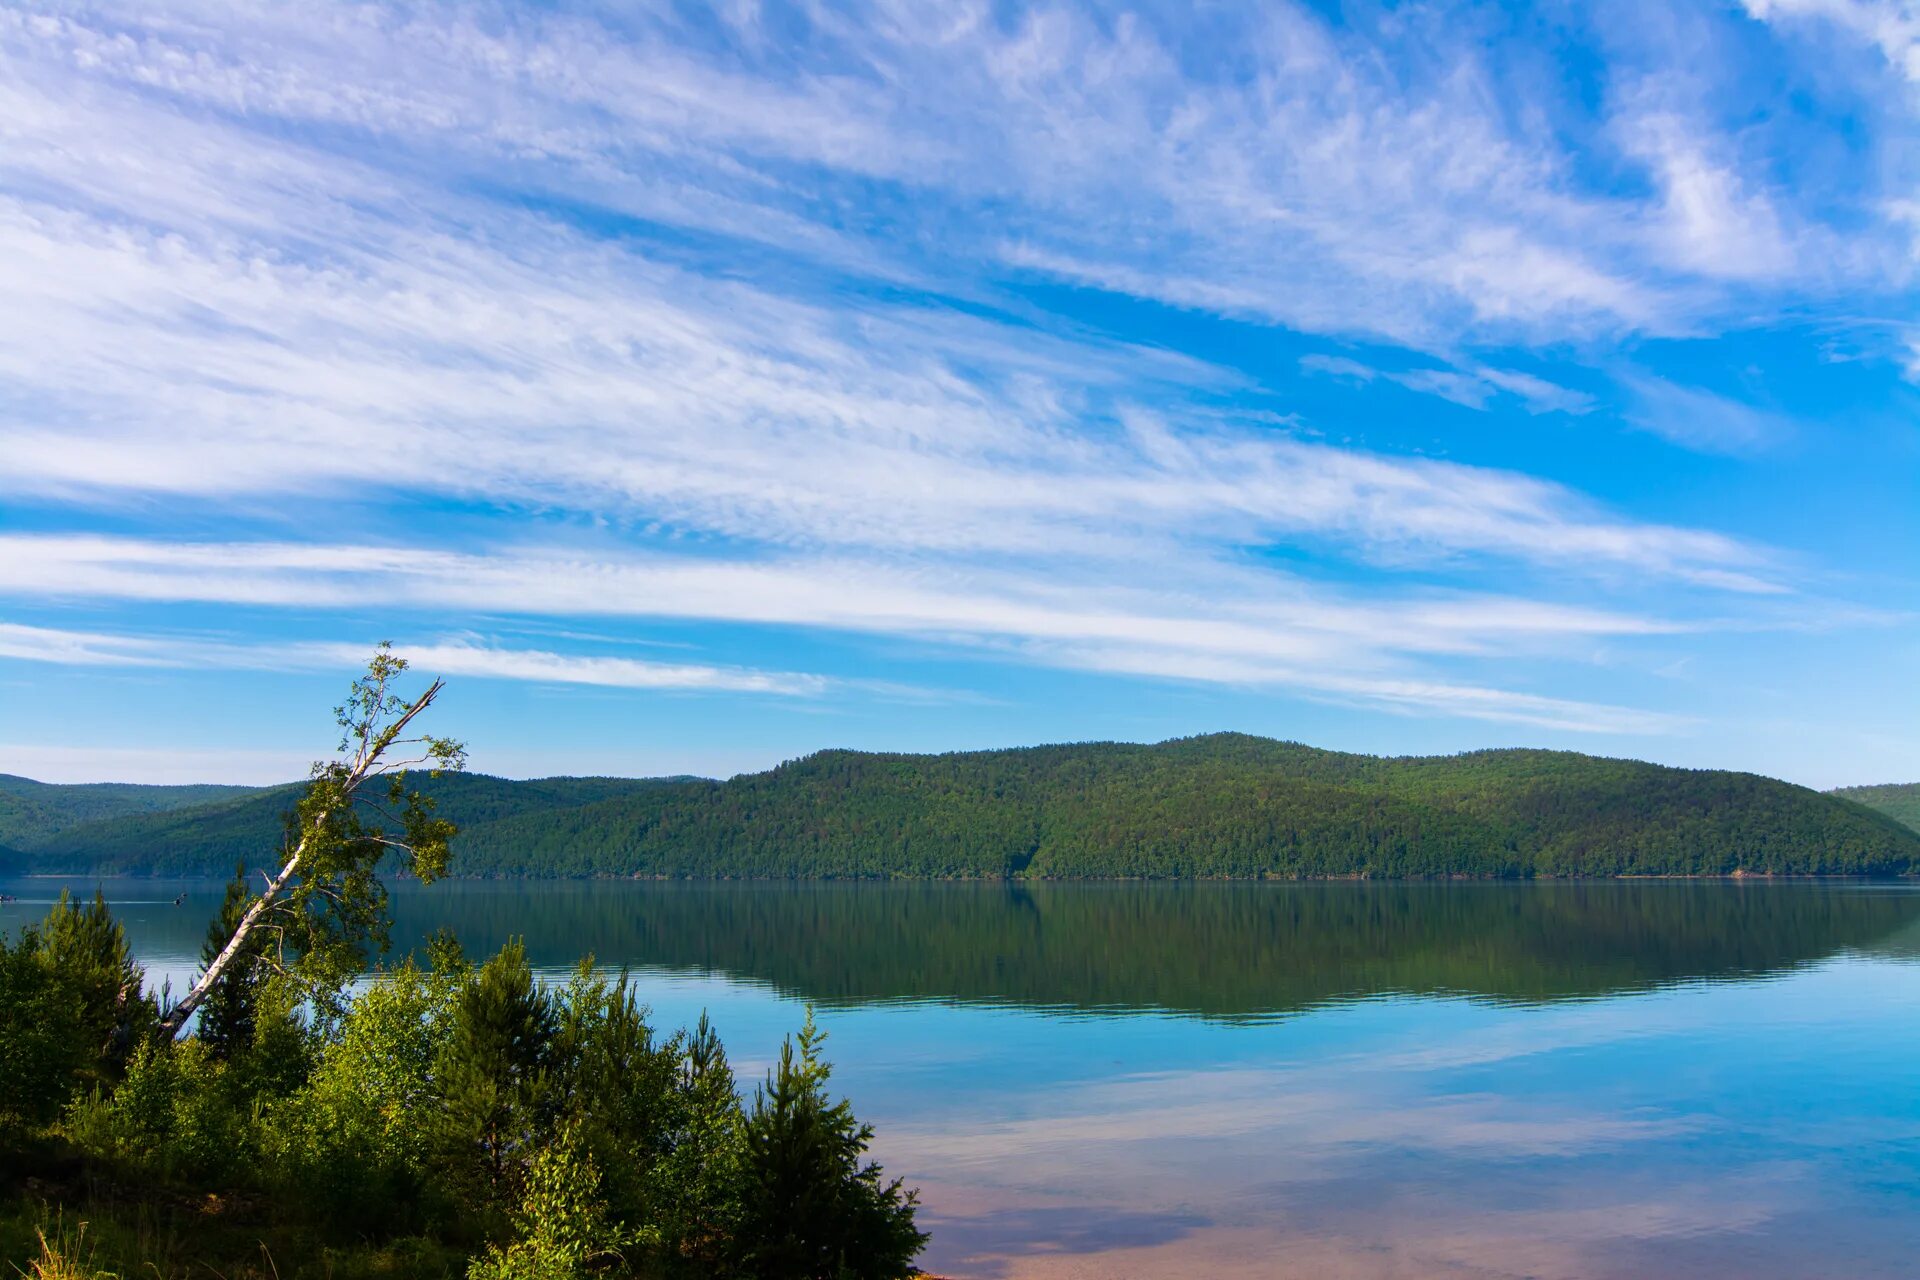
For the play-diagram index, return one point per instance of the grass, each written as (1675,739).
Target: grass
(97,1238)
(68,1256)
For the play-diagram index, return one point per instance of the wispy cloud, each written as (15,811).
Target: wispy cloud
(1709,220)
(1473,387)
(455,658)
(1892,26)
(1335,179)
(1234,629)
(430,364)
(758,286)
(1703,420)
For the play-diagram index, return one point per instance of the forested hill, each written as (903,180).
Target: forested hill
(1227,805)
(1899,801)
(213,838)
(32,812)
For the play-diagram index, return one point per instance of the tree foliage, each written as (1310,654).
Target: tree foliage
(545,1128)
(1226,806)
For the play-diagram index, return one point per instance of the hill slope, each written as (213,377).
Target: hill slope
(31,812)
(1227,805)
(214,838)
(1899,801)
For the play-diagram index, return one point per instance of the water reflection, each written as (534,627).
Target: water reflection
(1214,950)
(1565,1081)
(1708,1130)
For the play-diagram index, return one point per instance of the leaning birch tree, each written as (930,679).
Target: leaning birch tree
(325,904)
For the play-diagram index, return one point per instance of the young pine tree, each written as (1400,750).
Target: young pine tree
(494,1084)
(230,1014)
(85,950)
(250,1018)
(810,1210)
(700,1175)
(61,1031)
(616,1084)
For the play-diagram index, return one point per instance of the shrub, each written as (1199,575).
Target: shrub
(563,1225)
(175,1118)
(351,1143)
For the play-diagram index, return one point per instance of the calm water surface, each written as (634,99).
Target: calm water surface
(1615,1080)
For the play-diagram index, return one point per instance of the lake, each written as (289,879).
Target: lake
(1327,1080)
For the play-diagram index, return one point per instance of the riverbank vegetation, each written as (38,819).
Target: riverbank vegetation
(1222,806)
(446,1116)
(451,1118)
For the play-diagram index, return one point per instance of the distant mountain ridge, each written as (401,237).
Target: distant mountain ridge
(213,838)
(31,812)
(1219,806)
(1899,800)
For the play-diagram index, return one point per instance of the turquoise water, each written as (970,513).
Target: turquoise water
(1610,1080)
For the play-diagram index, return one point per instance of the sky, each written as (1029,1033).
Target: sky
(698,386)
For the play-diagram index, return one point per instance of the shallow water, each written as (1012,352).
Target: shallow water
(1675,1079)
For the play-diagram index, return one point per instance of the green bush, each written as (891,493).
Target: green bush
(564,1228)
(351,1144)
(176,1117)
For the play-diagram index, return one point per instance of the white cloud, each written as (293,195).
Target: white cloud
(1893,26)
(1700,419)
(1365,179)
(1473,387)
(451,658)
(1708,221)
(78,648)
(1235,628)
(255,265)
(204,302)
(1539,395)
(490,662)
(585,376)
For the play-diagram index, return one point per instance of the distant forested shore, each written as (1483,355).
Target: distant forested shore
(1900,801)
(1223,806)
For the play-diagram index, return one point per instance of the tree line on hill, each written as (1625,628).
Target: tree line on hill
(1219,806)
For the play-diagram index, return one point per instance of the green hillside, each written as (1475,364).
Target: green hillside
(1222,806)
(31,812)
(213,838)
(1899,801)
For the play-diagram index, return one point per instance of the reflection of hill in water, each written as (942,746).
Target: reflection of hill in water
(1902,945)
(1221,951)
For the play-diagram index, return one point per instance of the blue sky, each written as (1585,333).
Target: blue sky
(696,387)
